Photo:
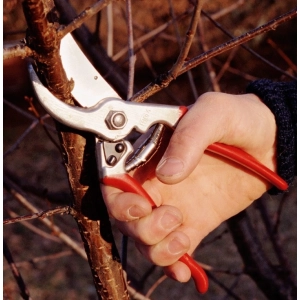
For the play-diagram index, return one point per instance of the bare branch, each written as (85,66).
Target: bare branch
(136,295)
(23,289)
(155,285)
(131,55)
(110,31)
(238,41)
(227,10)
(43,214)
(82,17)
(22,200)
(26,114)
(226,65)
(35,260)
(211,72)
(41,121)
(35,229)
(246,47)
(163,80)
(173,73)
(283,55)
(235,71)
(21,138)
(149,35)
(20,50)
(178,37)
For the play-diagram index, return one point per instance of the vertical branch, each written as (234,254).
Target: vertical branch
(164,80)
(173,73)
(131,55)
(178,37)
(78,152)
(42,38)
(23,289)
(211,71)
(110,30)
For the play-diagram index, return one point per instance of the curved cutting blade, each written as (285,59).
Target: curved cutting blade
(89,86)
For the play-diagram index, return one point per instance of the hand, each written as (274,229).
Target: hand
(194,190)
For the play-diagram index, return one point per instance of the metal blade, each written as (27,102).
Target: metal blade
(89,86)
(111,118)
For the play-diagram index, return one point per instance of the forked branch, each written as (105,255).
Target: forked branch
(163,81)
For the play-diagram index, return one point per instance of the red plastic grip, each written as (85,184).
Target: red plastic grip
(127,183)
(198,274)
(243,158)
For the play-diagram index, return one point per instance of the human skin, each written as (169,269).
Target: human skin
(194,190)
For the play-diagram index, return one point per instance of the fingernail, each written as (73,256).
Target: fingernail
(170,220)
(169,166)
(176,247)
(136,212)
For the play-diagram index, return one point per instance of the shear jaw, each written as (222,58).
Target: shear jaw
(111,119)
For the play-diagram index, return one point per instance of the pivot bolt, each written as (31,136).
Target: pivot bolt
(116,120)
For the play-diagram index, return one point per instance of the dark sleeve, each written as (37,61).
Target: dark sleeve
(281,98)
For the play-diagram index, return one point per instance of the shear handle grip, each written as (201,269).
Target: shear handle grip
(243,158)
(127,183)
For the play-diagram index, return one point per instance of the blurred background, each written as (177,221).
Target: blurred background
(33,167)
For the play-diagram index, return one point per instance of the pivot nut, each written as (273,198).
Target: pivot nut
(116,120)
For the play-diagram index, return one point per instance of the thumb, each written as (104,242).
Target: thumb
(199,128)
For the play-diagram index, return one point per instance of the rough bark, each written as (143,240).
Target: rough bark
(79,157)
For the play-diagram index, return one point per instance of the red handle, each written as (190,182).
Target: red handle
(127,183)
(248,161)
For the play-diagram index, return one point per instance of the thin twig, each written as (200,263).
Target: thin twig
(173,73)
(82,17)
(135,295)
(226,65)
(35,229)
(282,54)
(20,50)
(246,47)
(110,30)
(155,285)
(41,120)
(235,71)
(96,34)
(62,210)
(26,114)
(178,37)
(149,35)
(35,260)
(224,287)
(21,138)
(163,81)
(131,55)
(227,9)
(21,284)
(58,232)
(211,72)
(238,41)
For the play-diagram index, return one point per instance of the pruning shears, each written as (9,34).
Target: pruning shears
(112,120)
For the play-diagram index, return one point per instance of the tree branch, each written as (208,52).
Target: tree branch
(78,150)
(43,214)
(20,50)
(82,17)
(23,289)
(162,81)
